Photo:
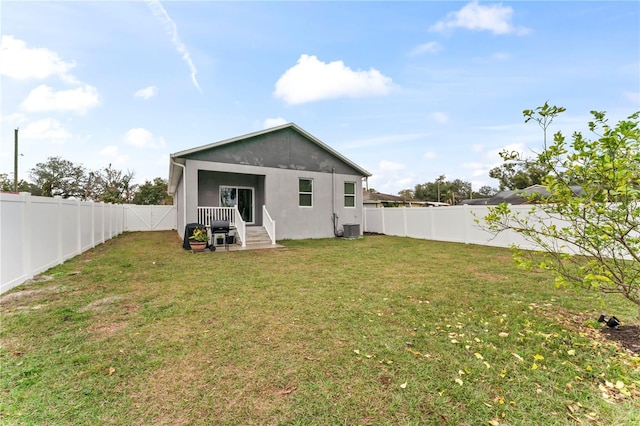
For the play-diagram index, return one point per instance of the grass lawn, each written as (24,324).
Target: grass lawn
(379,330)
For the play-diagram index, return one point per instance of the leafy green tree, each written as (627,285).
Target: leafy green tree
(59,177)
(485,191)
(114,186)
(517,172)
(407,194)
(601,224)
(153,193)
(442,190)
(7,184)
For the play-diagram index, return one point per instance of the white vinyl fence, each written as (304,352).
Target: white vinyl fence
(454,224)
(37,233)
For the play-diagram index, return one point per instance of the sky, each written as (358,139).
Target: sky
(407,90)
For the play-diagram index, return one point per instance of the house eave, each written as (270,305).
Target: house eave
(182,154)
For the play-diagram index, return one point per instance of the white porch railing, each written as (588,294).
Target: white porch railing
(206,215)
(269,224)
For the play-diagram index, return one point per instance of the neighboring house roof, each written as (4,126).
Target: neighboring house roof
(518,196)
(372,197)
(180,157)
(379,196)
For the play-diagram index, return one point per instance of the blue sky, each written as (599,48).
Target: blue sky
(407,90)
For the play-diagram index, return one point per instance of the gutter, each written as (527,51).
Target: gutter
(184,190)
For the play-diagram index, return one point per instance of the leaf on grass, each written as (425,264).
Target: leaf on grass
(534,366)
(111,370)
(459,381)
(503,334)
(537,357)
(356,351)
(403,385)
(487,364)
(571,352)
(517,356)
(494,422)
(479,356)
(287,391)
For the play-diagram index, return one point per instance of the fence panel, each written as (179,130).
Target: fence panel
(37,233)
(13,243)
(150,218)
(452,224)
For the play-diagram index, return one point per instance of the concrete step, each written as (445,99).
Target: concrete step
(257,235)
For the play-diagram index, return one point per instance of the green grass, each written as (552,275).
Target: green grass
(379,330)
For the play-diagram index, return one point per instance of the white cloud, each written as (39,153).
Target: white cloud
(79,100)
(273,122)
(430,47)
(313,80)
(477,148)
(147,92)
(430,155)
(21,62)
(473,16)
(390,177)
(143,138)
(45,129)
(439,117)
(172,30)
(109,151)
(112,152)
(386,166)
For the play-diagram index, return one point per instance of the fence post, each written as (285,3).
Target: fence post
(93,223)
(384,228)
(404,222)
(465,223)
(59,257)
(26,233)
(78,227)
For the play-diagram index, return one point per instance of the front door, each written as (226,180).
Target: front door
(240,196)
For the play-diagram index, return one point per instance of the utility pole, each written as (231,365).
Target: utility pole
(15,161)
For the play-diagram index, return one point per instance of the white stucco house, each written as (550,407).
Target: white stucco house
(282,181)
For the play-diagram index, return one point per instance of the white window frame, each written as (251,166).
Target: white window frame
(305,193)
(349,195)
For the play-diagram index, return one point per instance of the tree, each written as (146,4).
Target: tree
(23,186)
(59,177)
(600,225)
(153,193)
(114,186)
(486,191)
(442,190)
(407,194)
(517,172)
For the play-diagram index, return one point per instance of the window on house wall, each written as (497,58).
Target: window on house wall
(305,192)
(349,194)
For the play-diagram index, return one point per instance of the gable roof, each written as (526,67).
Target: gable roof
(180,157)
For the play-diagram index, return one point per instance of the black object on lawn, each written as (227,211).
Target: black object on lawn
(612,322)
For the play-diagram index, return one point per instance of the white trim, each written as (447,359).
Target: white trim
(305,193)
(345,195)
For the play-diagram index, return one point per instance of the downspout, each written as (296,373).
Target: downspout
(334,216)
(184,191)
